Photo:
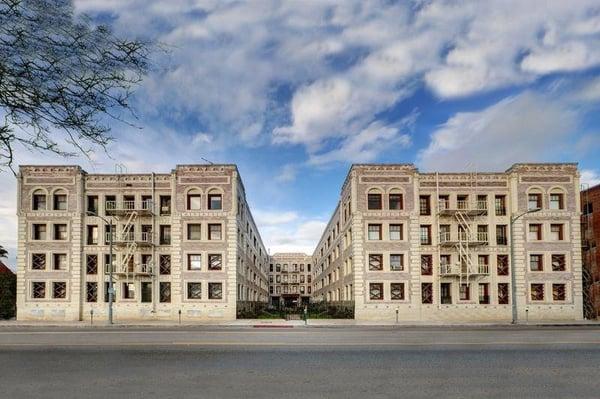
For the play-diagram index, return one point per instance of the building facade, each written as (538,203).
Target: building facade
(290,279)
(184,244)
(590,223)
(436,246)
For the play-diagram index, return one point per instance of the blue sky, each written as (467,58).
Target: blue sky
(294,92)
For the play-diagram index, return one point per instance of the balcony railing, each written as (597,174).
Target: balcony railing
(483,268)
(128,206)
(129,237)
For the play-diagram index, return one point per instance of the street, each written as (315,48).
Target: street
(349,362)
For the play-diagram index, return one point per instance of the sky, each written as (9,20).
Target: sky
(294,92)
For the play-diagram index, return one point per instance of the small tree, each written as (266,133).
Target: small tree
(62,78)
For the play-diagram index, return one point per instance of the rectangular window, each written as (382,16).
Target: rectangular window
(165,264)
(427,293)
(396,262)
(165,205)
(424,205)
(194,231)
(39,231)
(397,291)
(39,202)
(165,292)
(535,232)
(215,290)
(559,263)
(146,288)
(464,292)
(536,263)
(484,294)
(501,238)
(374,232)
(214,232)
(425,234)
(128,290)
(559,292)
(556,232)
(482,202)
(38,261)
(59,289)
(375,262)
(556,201)
(110,203)
(194,202)
(92,235)
(60,202)
(92,204)
(396,201)
(462,202)
(215,262)
(38,290)
(376,291)
(537,292)
(446,293)
(534,201)
(396,232)
(502,265)
(500,205)
(426,265)
(60,262)
(194,290)
(215,201)
(91,264)
(194,262)
(374,201)
(165,235)
(443,202)
(60,232)
(503,294)
(91,291)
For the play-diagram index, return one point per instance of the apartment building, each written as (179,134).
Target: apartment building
(290,279)
(437,246)
(184,244)
(590,223)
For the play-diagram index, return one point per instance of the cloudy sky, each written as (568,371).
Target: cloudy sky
(294,92)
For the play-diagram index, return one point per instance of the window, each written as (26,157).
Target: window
(556,201)
(375,262)
(39,231)
(374,201)
(426,293)
(374,232)
(38,202)
(60,262)
(107,291)
(396,262)
(38,261)
(194,290)
(165,234)
(91,264)
(146,288)
(396,201)
(92,204)
(425,234)
(215,201)
(60,201)
(128,290)
(446,293)
(38,290)
(464,292)
(534,201)
(165,292)
(60,231)
(215,290)
(396,232)
(502,293)
(500,205)
(110,203)
(214,232)
(194,231)
(501,235)
(537,292)
(194,201)
(556,232)
(559,292)
(424,205)
(484,293)
(59,289)
(194,262)
(92,234)
(91,291)
(164,264)
(502,265)
(536,263)
(443,202)
(588,208)
(426,265)
(215,262)
(165,205)
(376,291)
(397,291)
(482,202)
(462,202)
(535,232)
(559,263)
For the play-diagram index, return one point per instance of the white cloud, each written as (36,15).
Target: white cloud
(272,218)
(301,236)
(590,177)
(287,174)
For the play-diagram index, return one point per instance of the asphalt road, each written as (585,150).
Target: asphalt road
(300,363)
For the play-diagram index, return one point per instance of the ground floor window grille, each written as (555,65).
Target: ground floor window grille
(91,264)
(215,262)
(376,291)
(165,264)
(165,292)
(502,268)
(537,292)
(194,290)
(38,290)
(38,261)
(559,292)
(91,290)
(427,293)
(558,263)
(59,290)
(397,291)
(375,262)
(503,293)
(426,265)
(215,291)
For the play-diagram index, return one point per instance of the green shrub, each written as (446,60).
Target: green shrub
(8,296)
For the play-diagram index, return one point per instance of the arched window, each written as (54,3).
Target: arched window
(215,200)
(60,200)
(194,200)
(395,199)
(38,200)
(374,200)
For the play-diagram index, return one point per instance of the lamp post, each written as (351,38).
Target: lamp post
(513,278)
(111,290)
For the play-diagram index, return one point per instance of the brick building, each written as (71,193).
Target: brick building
(290,279)
(590,223)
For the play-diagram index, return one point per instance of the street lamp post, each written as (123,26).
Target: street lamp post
(513,278)
(111,290)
